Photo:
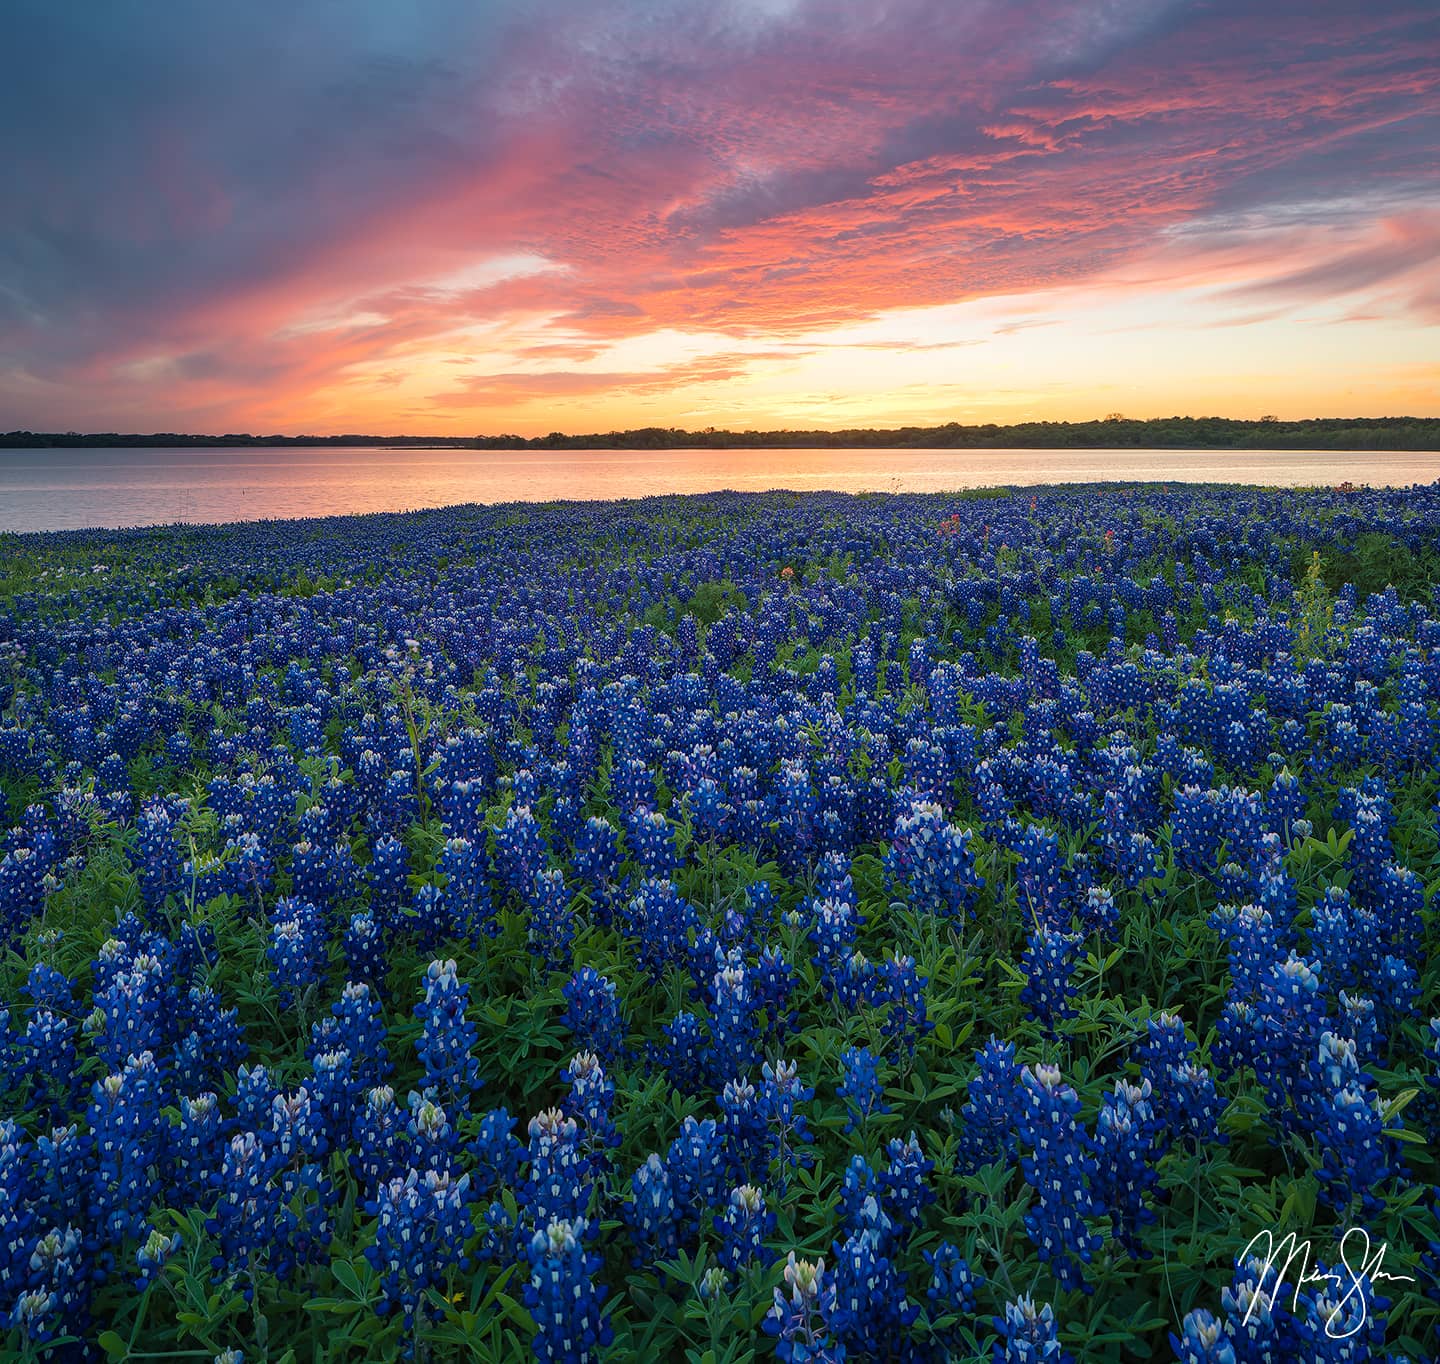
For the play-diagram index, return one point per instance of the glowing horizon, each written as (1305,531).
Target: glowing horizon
(499,217)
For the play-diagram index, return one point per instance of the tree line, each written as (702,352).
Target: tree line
(1114,431)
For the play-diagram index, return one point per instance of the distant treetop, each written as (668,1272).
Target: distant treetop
(1116,430)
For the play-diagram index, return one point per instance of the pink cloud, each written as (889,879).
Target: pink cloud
(730,174)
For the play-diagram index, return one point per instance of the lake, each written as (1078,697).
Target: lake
(70,489)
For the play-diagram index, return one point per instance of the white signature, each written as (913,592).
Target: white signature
(1369,1266)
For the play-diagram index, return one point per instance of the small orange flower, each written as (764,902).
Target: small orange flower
(787,572)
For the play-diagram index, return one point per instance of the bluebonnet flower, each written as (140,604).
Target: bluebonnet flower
(779,1099)
(153,1254)
(386,875)
(772,980)
(1042,880)
(1127,1149)
(422,1223)
(927,769)
(19,1213)
(1028,1334)
(659,919)
(713,1284)
(951,1292)
(1358,1018)
(1061,1170)
(744,1226)
(992,1111)
(433,1139)
(365,958)
(317,871)
(296,1131)
(298,947)
(1254,941)
(250,868)
(156,855)
(128,1010)
(255,1091)
(592,1014)
(796,811)
(860,1086)
(355,1025)
(213,1045)
(652,842)
(833,931)
(1164,1047)
(124,1120)
(696,1164)
(497,1153)
(463,909)
(1256,1323)
(1339,1317)
(1397,988)
(800,1317)
(860,1196)
(1048,962)
(732,1050)
(901,987)
(933,861)
(58,1299)
(57,1192)
(904,1181)
(654,1217)
(871,1313)
(194,1146)
(1202,1340)
(520,848)
(381,1137)
(591,1097)
(744,1130)
(1196,827)
(1284,802)
(562,1297)
(1357,1161)
(552,922)
(245,1214)
(448,1039)
(1099,913)
(1192,1106)
(558,1180)
(462,808)
(596,860)
(683,1053)
(47,1056)
(853,984)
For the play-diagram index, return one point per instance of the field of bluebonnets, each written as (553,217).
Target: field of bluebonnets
(824,927)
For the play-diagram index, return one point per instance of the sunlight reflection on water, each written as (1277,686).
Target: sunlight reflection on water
(66,489)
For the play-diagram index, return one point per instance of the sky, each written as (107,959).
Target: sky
(483,216)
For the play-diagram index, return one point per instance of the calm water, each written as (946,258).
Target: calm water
(67,489)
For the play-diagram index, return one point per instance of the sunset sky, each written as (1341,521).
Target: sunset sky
(469,216)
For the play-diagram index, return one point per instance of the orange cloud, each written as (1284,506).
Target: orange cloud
(537,201)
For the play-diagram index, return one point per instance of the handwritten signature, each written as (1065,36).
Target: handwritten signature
(1368,1267)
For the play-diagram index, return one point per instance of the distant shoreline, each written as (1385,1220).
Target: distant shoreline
(1377,434)
(700,449)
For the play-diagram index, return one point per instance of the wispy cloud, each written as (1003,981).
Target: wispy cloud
(302,216)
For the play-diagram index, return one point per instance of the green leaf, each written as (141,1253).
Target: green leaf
(346,1277)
